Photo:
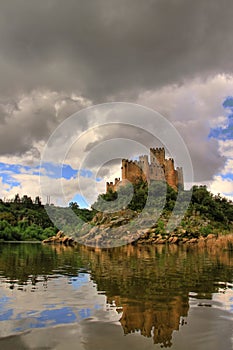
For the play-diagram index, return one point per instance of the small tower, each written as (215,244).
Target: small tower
(170,173)
(144,165)
(180,178)
(157,155)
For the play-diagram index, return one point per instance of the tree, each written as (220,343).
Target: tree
(38,201)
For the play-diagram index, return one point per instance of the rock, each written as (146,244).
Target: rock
(174,240)
(60,234)
(93,231)
(193,240)
(99,237)
(48,240)
(211,236)
(183,231)
(119,222)
(144,234)
(65,240)
(160,241)
(60,238)
(146,231)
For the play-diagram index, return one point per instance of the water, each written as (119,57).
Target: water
(147,297)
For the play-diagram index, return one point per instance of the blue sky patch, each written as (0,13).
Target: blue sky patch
(80,200)
(86,173)
(57,171)
(228,176)
(225,133)
(7,172)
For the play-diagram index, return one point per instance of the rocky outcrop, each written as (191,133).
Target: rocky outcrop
(127,226)
(60,238)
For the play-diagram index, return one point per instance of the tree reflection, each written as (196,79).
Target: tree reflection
(150,286)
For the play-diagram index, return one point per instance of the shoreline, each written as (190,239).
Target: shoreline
(145,239)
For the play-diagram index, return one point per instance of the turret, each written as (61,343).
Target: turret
(157,155)
(144,165)
(170,173)
(180,178)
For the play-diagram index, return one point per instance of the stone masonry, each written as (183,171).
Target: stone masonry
(159,168)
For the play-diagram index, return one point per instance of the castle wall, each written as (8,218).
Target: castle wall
(144,165)
(170,173)
(131,171)
(110,186)
(159,169)
(157,172)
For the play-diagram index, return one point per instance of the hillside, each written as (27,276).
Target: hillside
(24,219)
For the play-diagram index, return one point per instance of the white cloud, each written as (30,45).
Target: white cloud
(220,122)
(226,148)
(222,186)
(194,108)
(30,184)
(228,169)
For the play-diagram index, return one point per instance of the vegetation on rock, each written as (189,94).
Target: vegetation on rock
(24,219)
(206,213)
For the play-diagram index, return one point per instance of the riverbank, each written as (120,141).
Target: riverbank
(126,226)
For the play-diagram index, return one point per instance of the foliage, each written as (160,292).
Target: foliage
(25,219)
(215,210)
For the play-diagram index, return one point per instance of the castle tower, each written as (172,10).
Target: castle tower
(159,169)
(144,165)
(131,171)
(180,178)
(110,186)
(157,155)
(124,169)
(170,173)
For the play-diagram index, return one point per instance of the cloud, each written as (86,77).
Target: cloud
(228,169)
(226,148)
(194,108)
(30,184)
(59,57)
(224,186)
(224,132)
(26,128)
(105,49)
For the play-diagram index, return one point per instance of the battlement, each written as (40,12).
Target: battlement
(159,169)
(110,186)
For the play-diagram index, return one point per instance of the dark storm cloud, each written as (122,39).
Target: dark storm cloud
(104,48)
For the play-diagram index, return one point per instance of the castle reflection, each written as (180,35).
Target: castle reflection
(150,286)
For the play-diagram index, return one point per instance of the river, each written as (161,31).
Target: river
(139,297)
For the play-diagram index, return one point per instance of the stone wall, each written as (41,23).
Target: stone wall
(159,168)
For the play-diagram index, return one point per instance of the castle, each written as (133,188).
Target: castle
(159,168)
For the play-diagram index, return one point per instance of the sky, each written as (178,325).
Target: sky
(59,57)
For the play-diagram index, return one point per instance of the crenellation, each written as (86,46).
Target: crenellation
(159,169)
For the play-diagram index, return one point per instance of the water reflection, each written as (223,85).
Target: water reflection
(147,289)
